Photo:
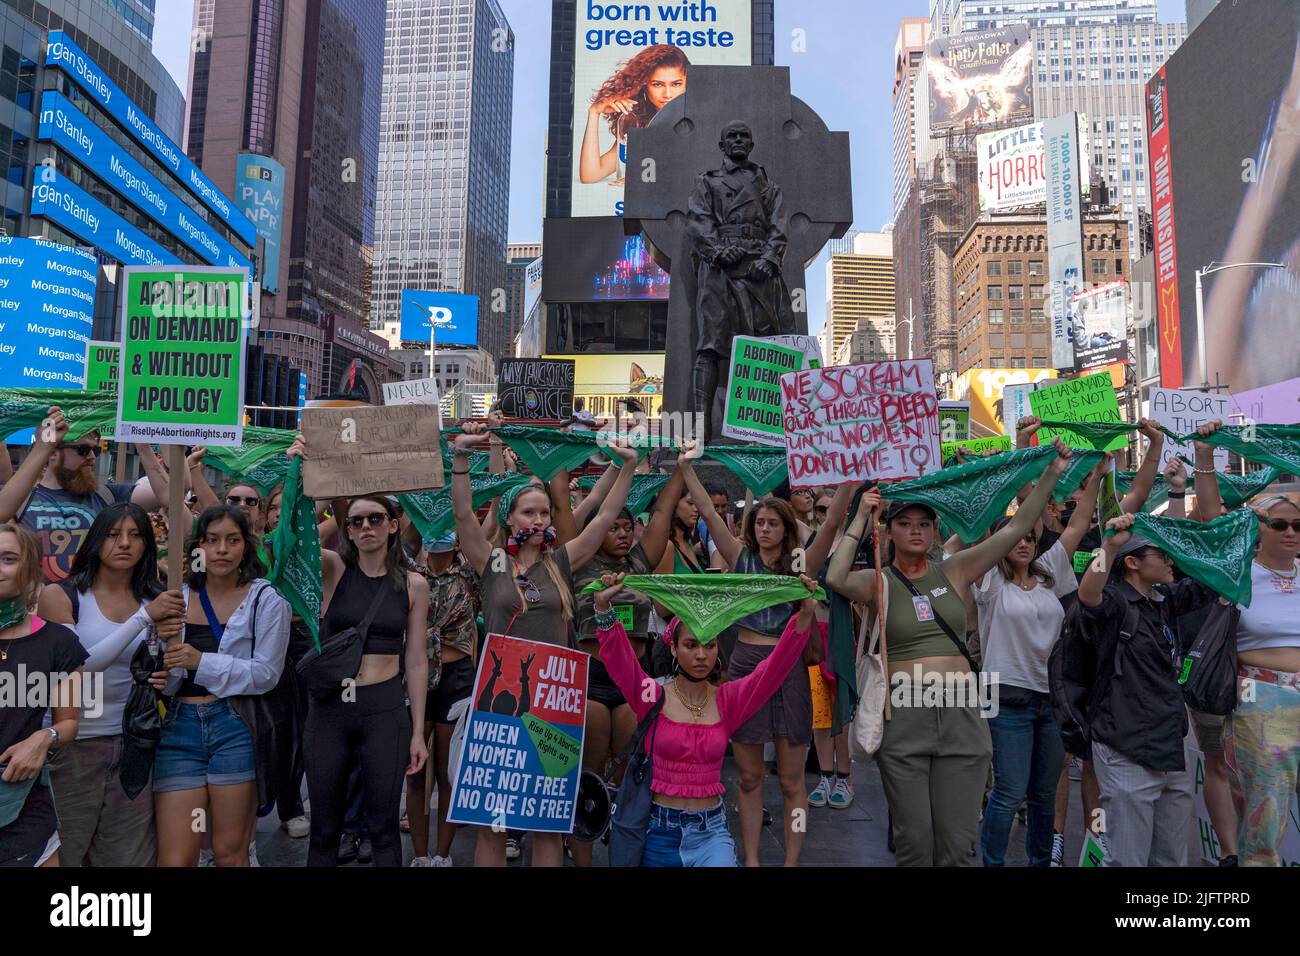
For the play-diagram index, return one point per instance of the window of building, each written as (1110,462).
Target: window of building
(995,316)
(995,268)
(995,293)
(1015,268)
(1016,293)
(1099,267)
(1036,267)
(1036,316)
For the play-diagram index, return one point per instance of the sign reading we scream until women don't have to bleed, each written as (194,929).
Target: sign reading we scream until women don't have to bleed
(878,420)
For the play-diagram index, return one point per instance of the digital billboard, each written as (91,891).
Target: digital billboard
(47,305)
(455,317)
(1100,332)
(983,388)
(55,197)
(1013,166)
(259,189)
(607,381)
(980,79)
(631,60)
(592,261)
(1226,189)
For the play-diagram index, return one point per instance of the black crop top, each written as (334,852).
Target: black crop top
(204,640)
(352,599)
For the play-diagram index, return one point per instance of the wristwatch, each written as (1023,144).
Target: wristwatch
(54,736)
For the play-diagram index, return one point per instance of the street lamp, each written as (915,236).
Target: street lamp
(911,330)
(1211,269)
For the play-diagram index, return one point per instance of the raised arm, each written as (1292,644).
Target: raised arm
(1175,475)
(596,497)
(473,542)
(198,482)
(855,585)
(1145,479)
(640,690)
(154,494)
(727,544)
(1209,501)
(820,549)
(6,466)
(969,566)
(584,547)
(654,540)
(1098,573)
(19,488)
(566,528)
(1081,520)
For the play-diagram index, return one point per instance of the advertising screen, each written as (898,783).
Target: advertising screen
(592,261)
(1013,166)
(259,189)
(453,315)
(1226,189)
(981,79)
(47,305)
(631,59)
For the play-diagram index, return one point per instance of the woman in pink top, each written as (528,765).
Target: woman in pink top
(688,823)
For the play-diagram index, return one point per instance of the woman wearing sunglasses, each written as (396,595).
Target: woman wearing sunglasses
(1020,617)
(1262,736)
(527,580)
(368,721)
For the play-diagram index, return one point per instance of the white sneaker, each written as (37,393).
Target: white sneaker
(440,861)
(842,796)
(513,850)
(207,858)
(1058,849)
(252,855)
(422,861)
(298,827)
(820,794)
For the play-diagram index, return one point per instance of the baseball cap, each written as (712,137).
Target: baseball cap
(898,507)
(1135,544)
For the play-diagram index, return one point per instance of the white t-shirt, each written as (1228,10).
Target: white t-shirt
(1018,627)
(1273,618)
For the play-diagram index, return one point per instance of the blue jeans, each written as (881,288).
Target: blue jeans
(1028,756)
(688,838)
(204,745)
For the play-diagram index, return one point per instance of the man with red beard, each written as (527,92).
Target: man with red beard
(56,494)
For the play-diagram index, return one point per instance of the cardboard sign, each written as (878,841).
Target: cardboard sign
(976,447)
(522,756)
(1087,399)
(1108,498)
(1015,406)
(421,391)
(181,377)
(536,389)
(1184,412)
(1205,845)
(811,348)
(954,421)
(855,422)
(368,450)
(752,411)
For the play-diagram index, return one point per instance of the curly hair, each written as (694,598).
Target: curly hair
(630,81)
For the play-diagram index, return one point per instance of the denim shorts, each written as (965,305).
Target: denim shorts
(688,838)
(204,744)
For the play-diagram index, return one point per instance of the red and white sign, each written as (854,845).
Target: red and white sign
(879,420)
(1013,166)
(1166,251)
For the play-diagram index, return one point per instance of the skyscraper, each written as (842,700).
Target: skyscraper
(948,17)
(444,160)
(284,105)
(909,52)
(136,14)
(859,285)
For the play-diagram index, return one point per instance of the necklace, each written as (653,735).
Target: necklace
(697,710)
(1285,583)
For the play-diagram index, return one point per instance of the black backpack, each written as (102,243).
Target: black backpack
(1075,680)
(1209,675)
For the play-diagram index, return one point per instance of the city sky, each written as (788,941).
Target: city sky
(846,74)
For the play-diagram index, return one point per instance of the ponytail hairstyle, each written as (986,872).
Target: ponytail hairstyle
(396,563)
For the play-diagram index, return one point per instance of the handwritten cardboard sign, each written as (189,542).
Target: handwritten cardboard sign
(536,389)
(1087,399)
(1184,412)
(976,447)
(367,449)
(878,420)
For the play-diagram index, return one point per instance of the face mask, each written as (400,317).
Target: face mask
(12,610)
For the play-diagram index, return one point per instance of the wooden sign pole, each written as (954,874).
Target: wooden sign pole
(119,464)
(178,523)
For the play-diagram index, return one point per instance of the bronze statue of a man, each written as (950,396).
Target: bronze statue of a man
(737,230)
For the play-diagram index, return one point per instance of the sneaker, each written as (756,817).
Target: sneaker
(348,846)
(364,852)
(252,855)
(1230,860)
(440,861)
(422,861)
(821,793)
(298,827)
(1058,849)
(513,852)
(207,858)
(842,795)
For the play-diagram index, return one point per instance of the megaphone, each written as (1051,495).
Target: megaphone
(595,808)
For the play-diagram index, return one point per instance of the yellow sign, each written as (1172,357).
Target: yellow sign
(608,379)
(983,388)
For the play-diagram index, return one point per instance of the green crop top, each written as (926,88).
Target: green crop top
(910,639)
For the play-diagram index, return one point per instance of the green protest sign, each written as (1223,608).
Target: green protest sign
(181,378)
(975,447)
(954,421)
(753,406)
(1108,500)
(102,361)
(1087,399)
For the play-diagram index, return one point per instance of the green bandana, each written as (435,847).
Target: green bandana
(268,475)
(760,468)
(259,445)
(1236,490)
(1159,489)
(507,502)
(1098,435)
(644,488)
(296,543)
(710,603)
(85,411)
(1218,554)
(431,511)
(972,496)
(1082,461)
(1277,445)
(548,452)
(12,610)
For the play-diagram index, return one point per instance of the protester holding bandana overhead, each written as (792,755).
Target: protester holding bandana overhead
(770,545)
(527,581)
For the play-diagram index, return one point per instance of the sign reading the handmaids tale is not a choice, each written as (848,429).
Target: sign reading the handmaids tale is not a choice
(878,420)
(521,758)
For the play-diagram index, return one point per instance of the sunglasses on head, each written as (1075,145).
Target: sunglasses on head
(532,594)
(251,501)
(374,520)
(1281,524)
(84,450)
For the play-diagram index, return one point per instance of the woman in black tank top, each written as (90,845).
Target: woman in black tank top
(368,716)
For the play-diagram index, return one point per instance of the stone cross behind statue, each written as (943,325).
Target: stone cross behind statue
(808,164)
